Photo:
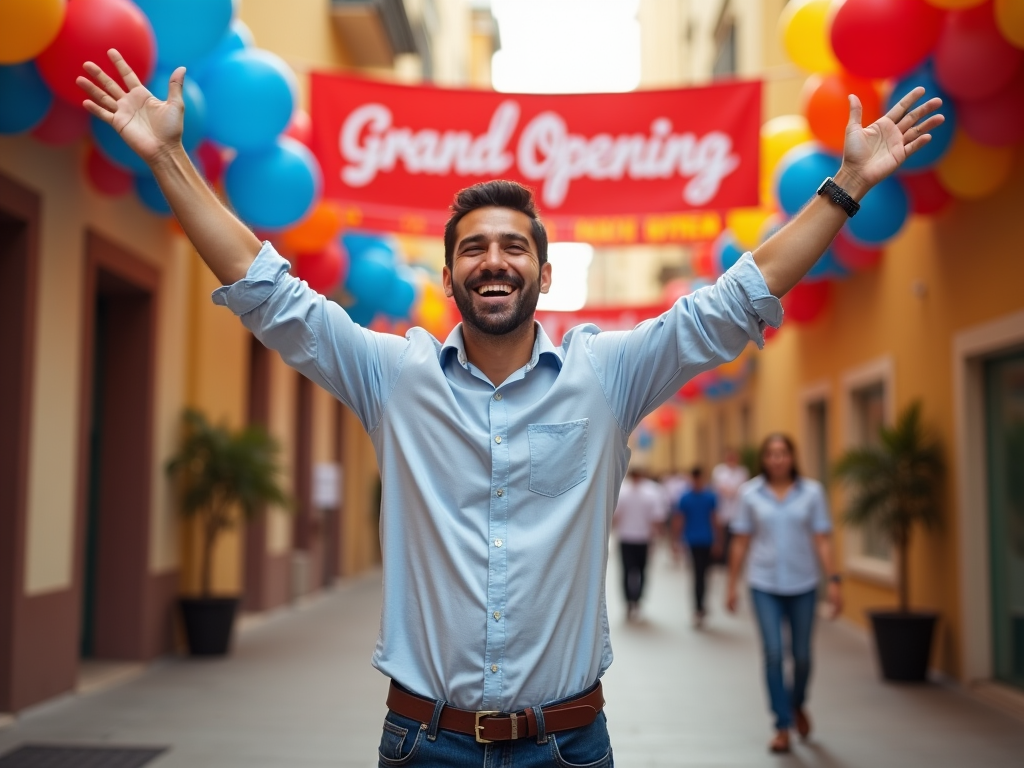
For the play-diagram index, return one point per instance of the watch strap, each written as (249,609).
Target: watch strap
(839,196)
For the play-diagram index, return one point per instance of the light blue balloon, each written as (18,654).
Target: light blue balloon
(195,106)
(882,213)
(371,277)
(644,440)
(24,98)
(799,175)
(250,97)
(942,137)
(398,302)
(827,268)
(237,38)
(186,30)
(150,195)
(726,251)
(275,187)
(110,144)
(356,243)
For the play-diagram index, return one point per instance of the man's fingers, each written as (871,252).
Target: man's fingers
(916,144)
(108,83)
(917,113)
(900,108)
(175,85)
(96,94)
(856,111)
(126,72)
(926,126)
(94,109)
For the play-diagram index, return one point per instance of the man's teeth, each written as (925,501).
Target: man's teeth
(497,288)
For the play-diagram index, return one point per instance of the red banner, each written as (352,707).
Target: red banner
(606,318)
(647,166)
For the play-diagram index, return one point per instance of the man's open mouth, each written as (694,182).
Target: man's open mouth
(495,290)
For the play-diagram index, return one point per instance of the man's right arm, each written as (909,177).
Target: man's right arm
(152,128)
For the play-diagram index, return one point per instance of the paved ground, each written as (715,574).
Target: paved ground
(299,693)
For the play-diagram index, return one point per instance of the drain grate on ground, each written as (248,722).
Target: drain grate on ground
(40,756)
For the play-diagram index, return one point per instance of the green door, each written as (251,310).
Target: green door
(1004,383)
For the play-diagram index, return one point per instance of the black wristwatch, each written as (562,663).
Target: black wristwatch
(839,196)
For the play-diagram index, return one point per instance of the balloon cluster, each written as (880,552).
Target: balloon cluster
(242,125)
(719,383)
(970,53)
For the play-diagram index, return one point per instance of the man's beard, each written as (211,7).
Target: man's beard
(498,321)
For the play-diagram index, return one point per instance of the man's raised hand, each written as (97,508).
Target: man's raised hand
(149,126)
(872,153)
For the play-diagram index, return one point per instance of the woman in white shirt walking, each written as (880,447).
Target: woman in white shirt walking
(783,523)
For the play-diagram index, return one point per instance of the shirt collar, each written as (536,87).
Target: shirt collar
(542,345)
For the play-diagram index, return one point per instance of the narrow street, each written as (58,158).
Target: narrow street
(299,692)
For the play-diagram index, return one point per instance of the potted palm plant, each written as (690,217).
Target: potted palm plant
(896,486)
(222,476)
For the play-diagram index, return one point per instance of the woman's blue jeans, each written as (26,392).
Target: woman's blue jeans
(798,611)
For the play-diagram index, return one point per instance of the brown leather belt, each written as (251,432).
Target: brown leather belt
(487,726)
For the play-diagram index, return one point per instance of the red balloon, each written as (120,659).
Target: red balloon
(827,107)
(212,158)
(884,38)
(926,194)
(690,390)
(666,418)
(853,255)
(106,178)
(972,59)
(300,128)
(63,124)
(702,262)
(90,28)
(807,300)
(997,121)
(323,271)
(770,333)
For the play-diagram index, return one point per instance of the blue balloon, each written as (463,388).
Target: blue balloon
(149,193)
(644,439)
(398,302)
(799,175)
(721,389)
(186,30)
(827,268)
(24,98)
(726,251)
(371,277)
(195,106)
(356,243)
(250,97)
(110,144)
(882,213)
(237,38)
(361,314)
(942,137)
(275,187)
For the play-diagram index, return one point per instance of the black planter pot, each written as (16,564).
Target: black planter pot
(904,643)
(208,624)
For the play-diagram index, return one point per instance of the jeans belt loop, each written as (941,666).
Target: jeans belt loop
(542,734)
(435,721)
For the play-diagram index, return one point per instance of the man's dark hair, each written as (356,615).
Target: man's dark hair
(697,473)
(495,194)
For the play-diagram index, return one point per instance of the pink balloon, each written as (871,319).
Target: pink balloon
(998,120)
(63,124)
(212,158)
(853,255)
(884,38)
(972,59)
(926,194)
(300,128)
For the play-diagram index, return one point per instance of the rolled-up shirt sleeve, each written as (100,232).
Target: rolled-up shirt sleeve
(642,368)
(743,523)
(820,520)
(315,336)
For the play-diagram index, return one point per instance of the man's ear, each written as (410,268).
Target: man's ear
(446,281)
(545,277)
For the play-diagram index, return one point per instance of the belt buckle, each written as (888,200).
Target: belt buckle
(477,727)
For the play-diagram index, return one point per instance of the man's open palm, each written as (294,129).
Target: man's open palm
(147,125)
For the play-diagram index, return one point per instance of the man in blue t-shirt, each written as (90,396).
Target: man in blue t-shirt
(694,526)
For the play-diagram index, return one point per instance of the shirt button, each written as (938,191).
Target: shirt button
(494,667)
(500,492)
(497,439)
(497,395)
(497,615)
(497,542)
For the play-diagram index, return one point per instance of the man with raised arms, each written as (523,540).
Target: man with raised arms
(501,454)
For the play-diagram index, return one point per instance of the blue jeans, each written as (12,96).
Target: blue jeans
(407,742)
(799,611)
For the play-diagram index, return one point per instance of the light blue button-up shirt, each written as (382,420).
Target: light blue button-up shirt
(782,557)
(497,501)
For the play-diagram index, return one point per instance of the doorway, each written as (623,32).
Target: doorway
(1004,407)
(117,385)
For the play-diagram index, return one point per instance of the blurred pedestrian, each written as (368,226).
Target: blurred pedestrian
(638,514)
(783,522)
(695,527)
(726,479)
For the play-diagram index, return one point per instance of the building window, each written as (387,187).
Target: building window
(868,418)
(816,440)
(725,49)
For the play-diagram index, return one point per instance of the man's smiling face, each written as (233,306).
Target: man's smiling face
(496,277)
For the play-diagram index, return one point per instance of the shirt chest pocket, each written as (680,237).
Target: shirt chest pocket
(558,456)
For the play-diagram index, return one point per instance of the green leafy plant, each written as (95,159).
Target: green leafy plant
(896,485)
(222,474)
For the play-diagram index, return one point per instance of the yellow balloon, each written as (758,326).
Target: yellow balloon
(778,136)
(970,170)
(951,4)
(1010,20)
(746,224)
(27,27)
(804,25)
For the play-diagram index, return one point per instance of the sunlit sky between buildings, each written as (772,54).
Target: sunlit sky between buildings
(567,46)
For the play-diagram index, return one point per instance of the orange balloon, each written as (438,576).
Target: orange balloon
(828,109)
(970,170)
(315,232)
